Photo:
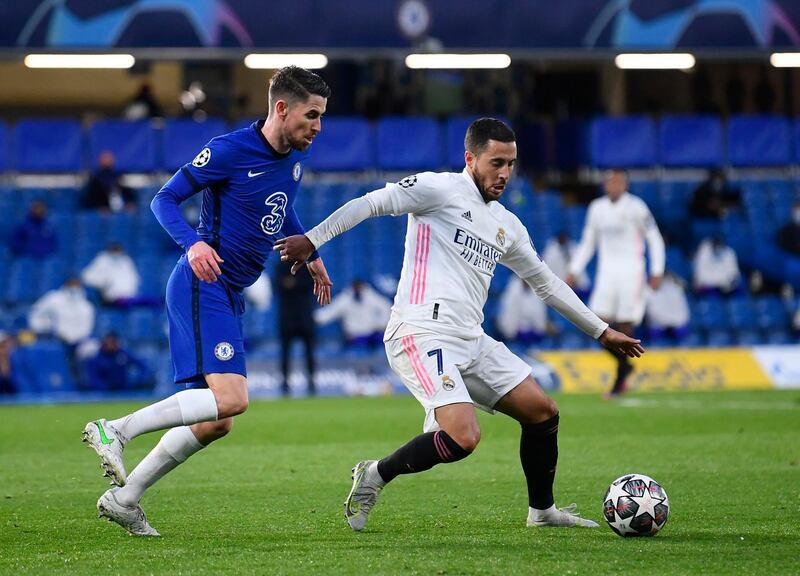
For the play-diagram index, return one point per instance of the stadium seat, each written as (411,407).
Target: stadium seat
(48,145)
(344,144)
(412,144)
(572,144)
(43,368)
(691,141)
(4,146)
(759,141)
(133,144)
(628,142)
(184,138)
(455,129)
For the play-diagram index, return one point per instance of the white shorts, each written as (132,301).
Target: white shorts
(440,370)
(620,298)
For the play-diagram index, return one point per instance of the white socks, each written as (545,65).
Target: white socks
(374,475)
(174,447)
(184,408)
(536,515)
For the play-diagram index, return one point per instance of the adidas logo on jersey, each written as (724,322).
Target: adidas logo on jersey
(467,216)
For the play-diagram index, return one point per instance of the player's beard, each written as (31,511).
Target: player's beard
(487,196)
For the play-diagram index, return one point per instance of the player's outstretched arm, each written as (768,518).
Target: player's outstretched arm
(295,249)
(619,342)
(322,283)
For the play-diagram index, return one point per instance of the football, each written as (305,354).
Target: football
(636,505)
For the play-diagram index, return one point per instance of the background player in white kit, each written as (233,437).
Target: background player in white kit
(618,224)
(457,234)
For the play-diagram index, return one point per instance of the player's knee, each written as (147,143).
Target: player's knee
(222,427)
(468,438)
(550,408)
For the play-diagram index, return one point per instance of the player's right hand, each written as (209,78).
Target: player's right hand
(204,261)
(295,249)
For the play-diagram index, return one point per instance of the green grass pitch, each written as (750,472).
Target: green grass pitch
(268,498)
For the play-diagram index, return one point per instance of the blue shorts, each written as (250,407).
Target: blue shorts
(205,326)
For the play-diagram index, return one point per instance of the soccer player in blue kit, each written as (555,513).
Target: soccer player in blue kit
(249,179)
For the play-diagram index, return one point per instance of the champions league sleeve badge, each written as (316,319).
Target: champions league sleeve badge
(202,159)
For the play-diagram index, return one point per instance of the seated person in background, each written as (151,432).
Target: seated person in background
(35,237)
(789,234)
(104,191)
(114,368)
(363,313)
(522,316)
(259,294)
(716,268)
(113,273)
(714,197)
(8,384)
(65,313)
(557,254)
(667,309)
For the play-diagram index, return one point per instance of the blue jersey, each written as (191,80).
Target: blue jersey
(248,196)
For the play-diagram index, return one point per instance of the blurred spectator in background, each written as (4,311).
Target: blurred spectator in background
(259,294)
(716,268)
(714,197)
(113,368)
(35,237)
(522,316)
(667,309)
(143,105)
(557,254)
(104,191)
(8,383)
(65,313)
(114,274)
(363,312)
(295,320)
(789,234)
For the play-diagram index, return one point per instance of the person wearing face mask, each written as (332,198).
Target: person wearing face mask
(457,234)
(65,313)
(789,234)
(114,274)
(35,237)
(363,313)
(714,197)
(104,191)
(716,268)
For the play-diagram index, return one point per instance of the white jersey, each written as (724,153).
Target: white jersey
(619,230)
(454,242)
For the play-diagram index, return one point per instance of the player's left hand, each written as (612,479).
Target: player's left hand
(619,342)
(322,283)
(655,282)
(295,249)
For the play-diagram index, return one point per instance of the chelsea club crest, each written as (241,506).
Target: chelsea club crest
(223,351)
(296,171)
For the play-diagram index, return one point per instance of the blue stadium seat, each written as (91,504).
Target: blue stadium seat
(742,313)
(43,368)
(720,338)
(23,280)
(48,145)
(678,264)
(133,144)
(145,325)
(771,313)
(759,141)
(712,314)
(344,144)
(629,142)
(110,320)
(184,138)
(413,144)
(4,146)
(455,129)
(572,144)
(691,141)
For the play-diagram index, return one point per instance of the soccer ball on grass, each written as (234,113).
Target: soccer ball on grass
(636,505)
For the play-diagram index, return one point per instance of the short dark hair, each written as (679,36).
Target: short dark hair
(484,129)
(294,84)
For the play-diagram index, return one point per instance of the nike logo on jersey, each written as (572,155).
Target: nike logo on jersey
(467,216)
(252,174)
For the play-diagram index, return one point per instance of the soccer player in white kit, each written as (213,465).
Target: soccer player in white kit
(618,225)
(457,234)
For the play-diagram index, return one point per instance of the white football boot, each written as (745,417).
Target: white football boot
(131,518)
(109,444)
(558,517)
(362,497)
